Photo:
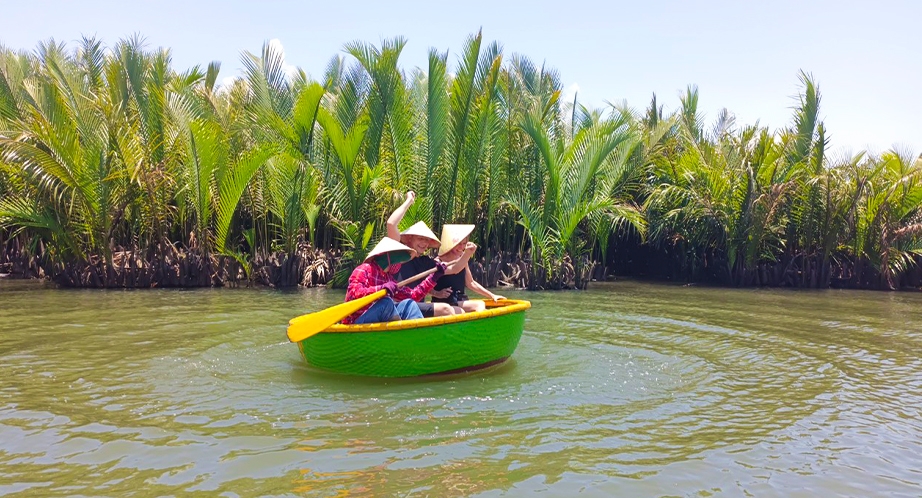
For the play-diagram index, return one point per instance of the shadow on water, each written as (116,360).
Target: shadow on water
(303,374)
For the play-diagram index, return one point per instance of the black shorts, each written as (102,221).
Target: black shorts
(427,309)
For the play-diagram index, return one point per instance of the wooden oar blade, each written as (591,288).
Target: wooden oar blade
(304,326)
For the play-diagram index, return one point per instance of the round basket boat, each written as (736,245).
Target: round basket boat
(427,346)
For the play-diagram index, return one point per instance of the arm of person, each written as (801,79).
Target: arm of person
(394,220)
(472,284)
(461,263)
(418,292)
(441,293)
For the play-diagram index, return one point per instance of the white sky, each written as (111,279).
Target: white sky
(745,56)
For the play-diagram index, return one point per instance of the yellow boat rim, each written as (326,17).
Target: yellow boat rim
(494,308)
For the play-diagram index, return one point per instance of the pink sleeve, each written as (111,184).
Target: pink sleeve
(419,292)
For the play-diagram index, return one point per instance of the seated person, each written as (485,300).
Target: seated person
(421,239)
(454,244)
(377,273)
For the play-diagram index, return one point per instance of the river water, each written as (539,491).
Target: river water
(628,389)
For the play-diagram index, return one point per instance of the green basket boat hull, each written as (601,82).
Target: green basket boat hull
(425,350)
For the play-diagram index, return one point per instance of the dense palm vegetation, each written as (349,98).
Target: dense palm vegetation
(117,169)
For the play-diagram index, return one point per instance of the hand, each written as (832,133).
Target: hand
(390,287)
(411,197)
(439,269)
(497,297)
(470,247)
(441,294)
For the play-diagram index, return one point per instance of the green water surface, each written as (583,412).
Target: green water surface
(628,389)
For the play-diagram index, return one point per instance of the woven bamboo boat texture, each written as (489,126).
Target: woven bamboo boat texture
(427,346)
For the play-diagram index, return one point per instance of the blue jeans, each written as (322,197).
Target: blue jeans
(384,310)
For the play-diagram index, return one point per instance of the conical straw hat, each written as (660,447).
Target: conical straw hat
(421,230)
(452,235)
(386,245)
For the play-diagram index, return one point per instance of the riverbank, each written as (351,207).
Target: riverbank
(174,265)
(170,265)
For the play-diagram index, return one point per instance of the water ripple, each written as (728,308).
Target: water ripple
(628,389)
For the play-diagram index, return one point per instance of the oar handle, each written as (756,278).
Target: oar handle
(424,274)
(414,278)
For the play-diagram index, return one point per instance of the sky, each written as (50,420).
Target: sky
(866,57)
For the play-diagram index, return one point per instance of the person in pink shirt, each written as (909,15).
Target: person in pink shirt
(377,272)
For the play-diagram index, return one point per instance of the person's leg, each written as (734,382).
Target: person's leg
(382,311)
(443,309)
(408,310)
(472,305)
(427,309)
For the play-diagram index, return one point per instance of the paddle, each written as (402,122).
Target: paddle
(304,326)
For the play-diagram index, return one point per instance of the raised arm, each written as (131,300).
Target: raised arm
(461,263)
(394,221)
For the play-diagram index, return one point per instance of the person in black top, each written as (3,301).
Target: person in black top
(421,239)
(454,244)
